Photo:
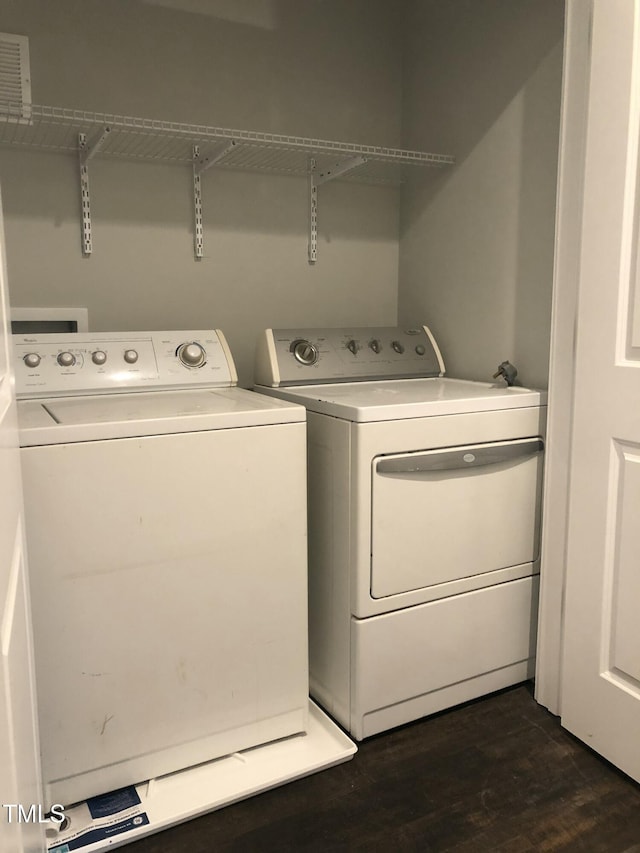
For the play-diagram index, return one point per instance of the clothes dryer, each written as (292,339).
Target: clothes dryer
(424,498)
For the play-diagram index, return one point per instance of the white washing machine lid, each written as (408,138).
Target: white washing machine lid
(69,419)
(390,400)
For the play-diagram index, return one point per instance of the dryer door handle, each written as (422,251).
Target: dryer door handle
(458,458)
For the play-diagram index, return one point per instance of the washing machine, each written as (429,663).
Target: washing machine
(424,503)
(166,529)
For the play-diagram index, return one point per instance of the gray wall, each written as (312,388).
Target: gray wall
(319,68)
(482,80)
(468,250)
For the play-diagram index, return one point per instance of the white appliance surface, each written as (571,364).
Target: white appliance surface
(413,494)
(407,398)
(424,520)
(167,543)
(57,419)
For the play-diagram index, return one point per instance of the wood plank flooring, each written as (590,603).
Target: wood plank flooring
(498,774)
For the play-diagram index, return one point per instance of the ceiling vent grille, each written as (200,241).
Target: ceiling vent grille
(15,76)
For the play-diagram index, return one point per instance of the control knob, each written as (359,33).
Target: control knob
(352,346)
(191,354)
(375,345)
(32,359)
(130,356)
(304,352)
(99,357)
(397,346)
(66,359)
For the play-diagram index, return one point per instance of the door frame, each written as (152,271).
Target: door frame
(569,207)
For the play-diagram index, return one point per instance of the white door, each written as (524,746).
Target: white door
(20,827)
(601,666)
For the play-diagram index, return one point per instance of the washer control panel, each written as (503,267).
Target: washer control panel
(110,362)
(315,356)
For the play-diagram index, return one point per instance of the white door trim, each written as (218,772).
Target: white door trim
(575,89)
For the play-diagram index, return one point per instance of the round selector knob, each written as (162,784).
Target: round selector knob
(375,345)
(99,357)
(305,352)
(66,359)
(397,346)
(420,349)
(130,356)
(32,359)
(352,346)
(191,355)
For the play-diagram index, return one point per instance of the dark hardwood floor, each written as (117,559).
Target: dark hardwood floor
(498,774)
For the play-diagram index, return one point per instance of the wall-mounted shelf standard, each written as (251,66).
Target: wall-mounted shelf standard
(86,134)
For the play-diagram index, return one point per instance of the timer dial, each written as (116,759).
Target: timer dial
(32,359)
(304,352)
(191,354)
(130,356)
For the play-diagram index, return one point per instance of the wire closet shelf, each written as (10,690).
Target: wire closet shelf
(56,129)
(87,134)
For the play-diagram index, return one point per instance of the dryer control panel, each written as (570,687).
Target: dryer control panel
(52,365)
(314,356)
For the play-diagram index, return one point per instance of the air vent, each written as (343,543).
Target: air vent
(15,76)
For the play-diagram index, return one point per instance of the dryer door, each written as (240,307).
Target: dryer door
(446,514)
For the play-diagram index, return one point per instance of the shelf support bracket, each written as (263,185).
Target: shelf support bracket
(200,165)
(198,241)
(312,250)
(316,179)
(86,150)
